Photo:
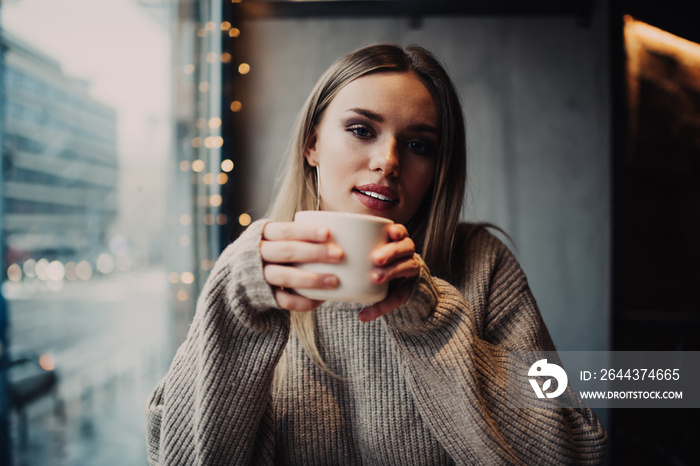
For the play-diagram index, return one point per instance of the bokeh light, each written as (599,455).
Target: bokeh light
(47,362)
(84,270)
(14,273)
(244,68)
(244,219)
(105,263)
(71,271)
(29,268)
(226,165)
(198,166)
(55,271)
(187,278)
(41,269)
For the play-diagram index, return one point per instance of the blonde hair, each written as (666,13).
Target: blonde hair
(434,227)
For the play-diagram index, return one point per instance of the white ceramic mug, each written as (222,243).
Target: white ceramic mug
(357,235)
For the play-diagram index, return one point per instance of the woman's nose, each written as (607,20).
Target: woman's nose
(386,158)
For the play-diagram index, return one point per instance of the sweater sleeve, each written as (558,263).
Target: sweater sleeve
(213,407)
(454,355)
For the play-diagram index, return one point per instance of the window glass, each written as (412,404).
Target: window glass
(103,247)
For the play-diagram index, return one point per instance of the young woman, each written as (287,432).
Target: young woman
(267,376)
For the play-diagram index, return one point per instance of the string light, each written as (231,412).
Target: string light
(214,123)
(188,69)
(226,57)
(236,106)
(215,200)
(234,32)
(244,219)
(198,166)
(221,219)
(222,178)
(187,278)
(244,68)
(182,295)
(226,165)
(173,277)
(185,166)
(225,26)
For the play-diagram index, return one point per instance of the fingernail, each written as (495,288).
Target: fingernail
(330,281)
(364,315)
(378,260)
(334,252)
(378,275)
(322,233)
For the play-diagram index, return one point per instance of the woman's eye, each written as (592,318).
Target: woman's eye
(421,147)
(360,131)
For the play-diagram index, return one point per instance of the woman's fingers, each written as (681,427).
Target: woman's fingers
(396,259)
(294,302)
(407,268)
(284,279)
(293,277)
(392,251)
(288,252)
(290,242)
(397,296)
(293,231)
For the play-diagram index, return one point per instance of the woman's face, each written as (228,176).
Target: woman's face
(376,146)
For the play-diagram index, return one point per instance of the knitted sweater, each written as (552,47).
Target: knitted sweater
(425,384)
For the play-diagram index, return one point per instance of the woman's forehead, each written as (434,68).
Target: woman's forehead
(387,92)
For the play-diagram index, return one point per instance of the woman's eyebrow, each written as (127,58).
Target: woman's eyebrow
(368,113)
(424,128)
(420,127)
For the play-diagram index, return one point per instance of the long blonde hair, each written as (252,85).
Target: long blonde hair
(434,227)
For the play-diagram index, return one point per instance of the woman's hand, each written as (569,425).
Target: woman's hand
(287,243)
(395,261)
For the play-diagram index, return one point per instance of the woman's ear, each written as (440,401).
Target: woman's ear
(310,150)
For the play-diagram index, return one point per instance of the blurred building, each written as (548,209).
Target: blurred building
(60,164)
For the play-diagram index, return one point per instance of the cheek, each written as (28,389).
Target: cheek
(341,159)
(421,174)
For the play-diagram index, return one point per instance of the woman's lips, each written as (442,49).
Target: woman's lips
(376,196)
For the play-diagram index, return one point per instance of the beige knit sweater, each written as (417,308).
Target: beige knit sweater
(422,385)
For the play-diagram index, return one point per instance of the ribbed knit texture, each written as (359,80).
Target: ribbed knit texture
(425,384)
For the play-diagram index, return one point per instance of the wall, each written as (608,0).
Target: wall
(536,98)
